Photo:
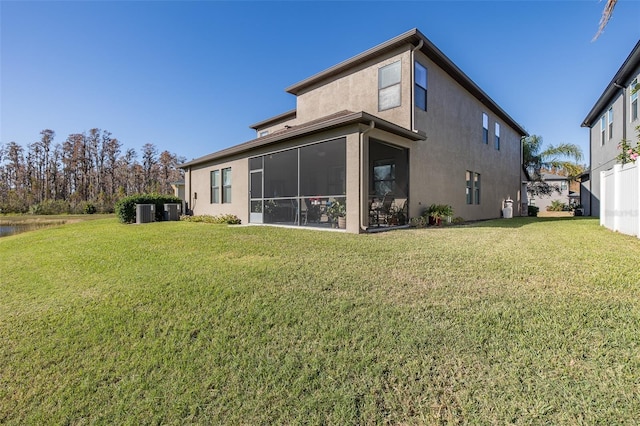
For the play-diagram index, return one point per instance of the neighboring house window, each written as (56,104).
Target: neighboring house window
(497,137)
(634,100)
(226,185)
(563,185)
(610,117)
(264,133)
(215,186)
(389,86)
(473,187)
(603,126)
(485,128)
(421,86)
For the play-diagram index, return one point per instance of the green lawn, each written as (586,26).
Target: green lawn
(522,321)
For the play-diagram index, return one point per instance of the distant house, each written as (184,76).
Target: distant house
(614,117)
(561,192)
(394,129)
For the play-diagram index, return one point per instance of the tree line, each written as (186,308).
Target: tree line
(88,172)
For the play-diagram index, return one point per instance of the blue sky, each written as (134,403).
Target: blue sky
(190,77)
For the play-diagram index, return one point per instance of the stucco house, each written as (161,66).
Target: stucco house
(561,193)
(613,117)
(394,129)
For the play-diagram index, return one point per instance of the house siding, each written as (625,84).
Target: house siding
(603,156)
(357,90)
(437,166)
(453,125)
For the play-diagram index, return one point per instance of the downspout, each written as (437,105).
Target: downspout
(190,208)
(413,85)
(363,196)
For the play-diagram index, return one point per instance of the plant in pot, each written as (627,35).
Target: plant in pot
(337,212)
(437,212)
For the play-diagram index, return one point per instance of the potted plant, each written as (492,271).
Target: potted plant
(436,212)
(337,212)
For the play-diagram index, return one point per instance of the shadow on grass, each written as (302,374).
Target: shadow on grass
(519,222)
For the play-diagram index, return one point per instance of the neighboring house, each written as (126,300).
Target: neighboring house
(562,194)
(398,125)
(613,117)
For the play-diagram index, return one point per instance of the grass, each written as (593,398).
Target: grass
(526,321)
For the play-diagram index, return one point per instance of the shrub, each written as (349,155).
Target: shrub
(229,219)
(89,208)
(419,222)
(533,211)
(556,206)
(126,207)
(50,207)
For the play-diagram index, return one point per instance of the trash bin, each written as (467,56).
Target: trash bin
(507,211)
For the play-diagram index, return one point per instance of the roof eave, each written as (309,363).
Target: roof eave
(354,118)
(630,64)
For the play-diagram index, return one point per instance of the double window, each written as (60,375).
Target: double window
(473,187)
(420,86)
(389,78)
(216,186)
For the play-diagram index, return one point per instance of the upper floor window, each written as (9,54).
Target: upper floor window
(497,136)
(603,127)
(610,118)
(389,78)
(226,185)
(264,133)
(421,86)
(634,99)
(485,128)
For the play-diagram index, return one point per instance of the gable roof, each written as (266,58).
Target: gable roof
(340,119)
(617,82)
(413,37)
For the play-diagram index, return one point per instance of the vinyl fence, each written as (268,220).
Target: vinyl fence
(620,199)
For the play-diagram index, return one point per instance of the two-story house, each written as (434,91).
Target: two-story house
(397,126)
(614,117)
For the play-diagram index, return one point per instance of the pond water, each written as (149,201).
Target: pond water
(6,230)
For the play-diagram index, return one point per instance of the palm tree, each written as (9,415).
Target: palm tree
(563,157)
(606,15)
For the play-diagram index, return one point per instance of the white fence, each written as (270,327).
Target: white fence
(620,199)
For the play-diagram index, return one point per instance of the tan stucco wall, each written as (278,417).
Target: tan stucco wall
(453,125)
(200,182)
(358,91)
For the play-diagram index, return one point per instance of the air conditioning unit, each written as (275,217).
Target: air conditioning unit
(145,213)
(172,211)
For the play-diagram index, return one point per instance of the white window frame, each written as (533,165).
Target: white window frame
(387,96)
(226,185)
(610,122)
(485,128)
(603,129)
